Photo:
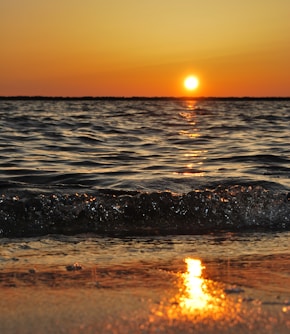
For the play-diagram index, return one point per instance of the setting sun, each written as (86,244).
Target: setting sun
(191,83)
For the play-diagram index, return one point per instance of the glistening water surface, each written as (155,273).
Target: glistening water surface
(224,283)
(107,206)
(60,250)
(174,145)
(143,166)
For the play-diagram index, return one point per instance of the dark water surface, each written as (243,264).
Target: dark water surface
(150,166)
(106,207)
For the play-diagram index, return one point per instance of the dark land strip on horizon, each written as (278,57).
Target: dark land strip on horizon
(200,98)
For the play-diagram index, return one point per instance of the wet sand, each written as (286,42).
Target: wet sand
(244,294)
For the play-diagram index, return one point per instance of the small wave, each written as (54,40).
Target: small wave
(232,208)
(261,158)
(89,139)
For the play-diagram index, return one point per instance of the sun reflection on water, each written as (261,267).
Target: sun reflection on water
(194,296)
(198,295)
(193,158)
(198,298)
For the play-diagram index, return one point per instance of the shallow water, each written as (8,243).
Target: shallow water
(145,285)
(246,260)
(60,250)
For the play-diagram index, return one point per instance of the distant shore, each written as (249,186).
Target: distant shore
(199,98)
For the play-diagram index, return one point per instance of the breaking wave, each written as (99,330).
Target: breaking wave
(110,212)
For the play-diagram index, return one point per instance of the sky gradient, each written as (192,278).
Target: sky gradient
(144,48)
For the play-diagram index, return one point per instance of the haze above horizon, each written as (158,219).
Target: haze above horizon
(129,48)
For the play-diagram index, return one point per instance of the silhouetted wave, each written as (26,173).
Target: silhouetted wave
(110,212)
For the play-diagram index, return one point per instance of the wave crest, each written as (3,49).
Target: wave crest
(231,208)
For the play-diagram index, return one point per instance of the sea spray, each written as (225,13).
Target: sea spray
(232,208)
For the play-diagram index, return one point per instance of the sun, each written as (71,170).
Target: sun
(191,82)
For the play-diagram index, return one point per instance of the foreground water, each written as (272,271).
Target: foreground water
(226,283)
(89,250)
(143,166)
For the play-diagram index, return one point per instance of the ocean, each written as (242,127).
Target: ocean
(143,166)
(139,215)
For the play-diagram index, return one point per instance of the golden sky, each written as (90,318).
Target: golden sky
(144,48)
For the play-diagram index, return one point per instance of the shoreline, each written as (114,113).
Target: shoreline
(233,295)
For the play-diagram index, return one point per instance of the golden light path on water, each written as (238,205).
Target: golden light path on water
(196,304)
(195,296)
(196,156)
(199,299)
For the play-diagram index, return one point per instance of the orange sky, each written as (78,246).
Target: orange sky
(144,48)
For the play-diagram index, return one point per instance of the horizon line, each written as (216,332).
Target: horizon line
(89,97)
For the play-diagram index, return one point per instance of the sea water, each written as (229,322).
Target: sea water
(135,165)
(104,200)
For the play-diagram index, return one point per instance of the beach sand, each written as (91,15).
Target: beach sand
(245,294)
